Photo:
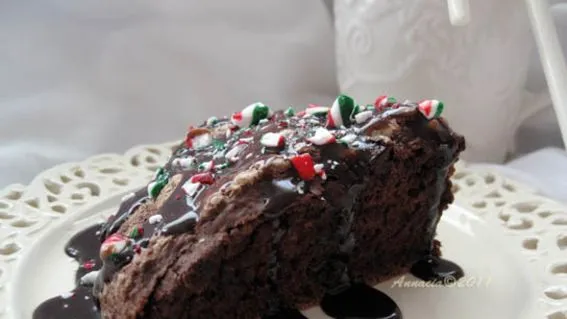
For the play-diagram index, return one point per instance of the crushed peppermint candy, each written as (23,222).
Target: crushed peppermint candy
(161,179)
(114,244)
(203,178)
(251,115)
(198,138)
(289,112)
(342,111)
(137,232)
(202,140)
(384,101)
(363,116)
(67,295)
(317,110)
(304,166)
(207,166)
(322,136)
(300,187)
(89,279)
(155,219)
(273,140)
(89,264)
(319,170)
(183,163)
(348,139)
(212,121)
(190,188)
(431,108)
(233,154)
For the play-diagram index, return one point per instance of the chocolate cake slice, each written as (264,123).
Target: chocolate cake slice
(265,211)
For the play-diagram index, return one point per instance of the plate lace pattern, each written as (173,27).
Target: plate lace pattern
(537,225)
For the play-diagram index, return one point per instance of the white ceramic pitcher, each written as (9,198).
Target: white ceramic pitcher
(409,50)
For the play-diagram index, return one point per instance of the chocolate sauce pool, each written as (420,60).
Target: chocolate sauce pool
(357,302)
(79,303)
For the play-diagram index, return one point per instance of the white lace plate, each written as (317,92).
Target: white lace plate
(511,242)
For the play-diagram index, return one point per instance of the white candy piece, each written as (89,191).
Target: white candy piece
(90,278)
(319,170)
(190,188)
(67,295)
(233,154)
(150,187)
(349,138)
(155,219)
(202,140)
(322,136)
(272,140)
(363,117)
(208,166)
(299,146)
(184,162)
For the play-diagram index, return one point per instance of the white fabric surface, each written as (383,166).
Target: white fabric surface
(78,78)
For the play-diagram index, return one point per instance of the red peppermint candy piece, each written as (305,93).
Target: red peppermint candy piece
(115,238)
(89,264)
(203,178)
(384,101)
(304,166)
(237,117)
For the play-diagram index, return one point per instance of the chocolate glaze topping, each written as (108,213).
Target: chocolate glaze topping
(313,148)
(360,301)
(84,247)
(437,270)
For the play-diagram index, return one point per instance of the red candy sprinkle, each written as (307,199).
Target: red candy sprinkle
(237,116)
(303,163)
(114,238)
(88,265)
(203,178)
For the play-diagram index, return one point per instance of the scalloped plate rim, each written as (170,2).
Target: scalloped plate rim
(93,210)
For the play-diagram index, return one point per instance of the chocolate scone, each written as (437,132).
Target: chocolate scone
(266,211)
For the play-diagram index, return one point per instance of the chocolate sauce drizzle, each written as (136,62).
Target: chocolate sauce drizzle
(84,247)
(437,270)
(360,301)
(226,155)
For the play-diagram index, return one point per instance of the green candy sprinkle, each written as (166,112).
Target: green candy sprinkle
(161,179)
(260,112)
(289,112)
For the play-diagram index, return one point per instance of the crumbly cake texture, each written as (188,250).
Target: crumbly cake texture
(267,210)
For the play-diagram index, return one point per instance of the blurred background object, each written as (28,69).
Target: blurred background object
(410,50)
(541,130)
(88,77)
